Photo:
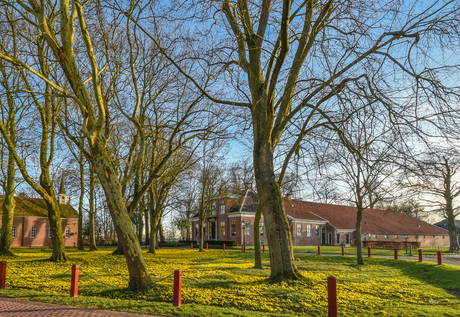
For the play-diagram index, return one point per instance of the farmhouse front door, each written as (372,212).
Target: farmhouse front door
(323,236)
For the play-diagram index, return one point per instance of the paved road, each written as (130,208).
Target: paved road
(10,307)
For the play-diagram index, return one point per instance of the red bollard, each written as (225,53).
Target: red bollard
(224,246)
(2,274)
(439,258)
(331,296)
(206,246)
(319,250)
(420,255)
(368,252)
(263,248)
(242,248)
(160,245)
(191,245)
(177,296)
(396,254)
(146,245)
(176,245)
(343,250)
(106,244)
(74,280)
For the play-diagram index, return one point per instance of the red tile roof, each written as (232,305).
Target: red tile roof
(374,220)
(36,207)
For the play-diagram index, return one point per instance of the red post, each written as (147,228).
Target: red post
(319,250)
(176,245)
(368,252)
(343,250)
(331,296)
(224,246)
(191,245)
(206,246)
(420,255)
(2,274)
(146,245)
(106,244)
(74,280)
(396,254)
(439,258)
(177,296)
(263,248)
(160,245)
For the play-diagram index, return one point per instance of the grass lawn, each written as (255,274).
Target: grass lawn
(217,283)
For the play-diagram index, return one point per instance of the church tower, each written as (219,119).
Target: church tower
(62,195)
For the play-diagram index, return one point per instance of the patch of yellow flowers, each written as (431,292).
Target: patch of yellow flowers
(223,279)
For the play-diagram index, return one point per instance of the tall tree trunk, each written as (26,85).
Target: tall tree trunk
(8,210)
(257,252)
(92,212)
(201,233)
(453,232)
(161,231)
(359,242)
(146,223)
(106,172)
(80,203)
(140,225)
(282,262)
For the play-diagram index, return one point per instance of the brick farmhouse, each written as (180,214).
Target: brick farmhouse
(31,226)
(318,224)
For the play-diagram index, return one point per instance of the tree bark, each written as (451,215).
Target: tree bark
(453,232)
(359,242)
(106,172)
(80,203)
(8,210)
(282,262)
(92,212)
(257,252)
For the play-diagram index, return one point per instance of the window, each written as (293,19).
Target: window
(233,228)
(299,229)
(13,232)
(49,232)
(308,230)
(338,238)
(33,232)
(213,209)
(329,238)
(396,237)
(247,229)
(197,227)
(262,228)
(222,228)
(347,241)
(317,231)
(67,232)
(222,209)
(386,237)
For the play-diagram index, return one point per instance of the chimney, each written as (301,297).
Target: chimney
(248,185)
(288,196)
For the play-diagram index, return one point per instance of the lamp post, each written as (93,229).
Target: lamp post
(245,223)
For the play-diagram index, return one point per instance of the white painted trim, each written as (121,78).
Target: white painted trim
(242,214)
(345,230)
(316,222)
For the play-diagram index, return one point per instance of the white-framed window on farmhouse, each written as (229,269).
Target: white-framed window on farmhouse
(338,238)
(13,232)
(318,231)
(329,238)
(49,232)
(33,232)
(262,228)
(222,209)
(247,229)
(67,232)
(299,229)
(213,209)
(197,228)
(348,238)
(309,231)
(222,228)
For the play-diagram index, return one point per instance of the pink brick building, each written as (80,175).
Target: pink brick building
(232,219)
(31,225)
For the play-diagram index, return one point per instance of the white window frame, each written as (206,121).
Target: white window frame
(262,228)
(13,232)
(67,232)
(33,232)
(222,225)
(329,238)
(247,229)
(49,232)
(213,209)
(338,236)
(348,238)
(309,231)
(318,231)
(233,226)
(299,229)
(222,209)
(197,229)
